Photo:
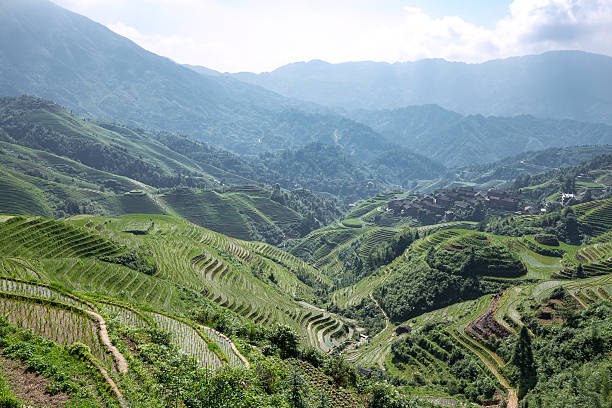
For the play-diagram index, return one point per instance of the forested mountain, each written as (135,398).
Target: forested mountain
(329,169)
(39,124)
(560,84)
(171,236)
(502,173)
(456,140)
(53,53)
(53,163)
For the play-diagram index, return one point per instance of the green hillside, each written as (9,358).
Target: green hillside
(21,197)
(86,167)
(222,299)
(38,124)
(140,272)
(503,173)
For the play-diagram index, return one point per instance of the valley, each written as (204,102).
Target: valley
(416,234)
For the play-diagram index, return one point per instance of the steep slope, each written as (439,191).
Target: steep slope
(50,52)
(560,84)
(505,171)
(329,169)
(456,140)
(39,124)
(91,325)
(53,163)
(20,197)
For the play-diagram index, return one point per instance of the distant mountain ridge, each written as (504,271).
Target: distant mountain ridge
(559,84)
(53,53)
(456,140)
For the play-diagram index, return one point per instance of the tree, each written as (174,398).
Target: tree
(296,390)
(285,339)
(578,273)
(478,212)
(523,360)
(323,401)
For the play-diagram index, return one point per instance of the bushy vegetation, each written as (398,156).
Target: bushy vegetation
(138,260)
(474,256)
(563,180)
(547,239)
(572,361)
(444,273)
(329,168)
(563,224)
(66,371)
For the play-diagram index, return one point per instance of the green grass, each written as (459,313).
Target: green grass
(240,214)
(273,211)
(210,210)
(230,272)
(374,238)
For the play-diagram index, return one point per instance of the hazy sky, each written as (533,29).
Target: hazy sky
(261,35)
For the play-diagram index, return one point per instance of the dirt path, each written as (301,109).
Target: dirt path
(512,399)
(387,322)
(483,326)
(381,359)
(109,381)
(122,364)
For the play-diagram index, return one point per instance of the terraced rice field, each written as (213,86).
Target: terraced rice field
(134,202)
(436,238)
(453,321)
(19,197)
(375,238)
(40,290)
(538,266)
(319,382)
(128,316)
(32,237)
(596,259)
(226,345)
(211,210)
(54,321)
(222,268)
(90,275)
(271,210)
(188,339)
(596,216)
(20,268)
(317,247)
(354,294)
(585,291)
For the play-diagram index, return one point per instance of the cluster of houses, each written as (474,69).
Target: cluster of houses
(448,205)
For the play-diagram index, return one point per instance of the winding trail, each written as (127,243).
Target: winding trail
(122,364)
(381,359)
(387,321)
(108,380)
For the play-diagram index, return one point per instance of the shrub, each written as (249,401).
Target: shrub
(79,349)
(546,239)
(285,339)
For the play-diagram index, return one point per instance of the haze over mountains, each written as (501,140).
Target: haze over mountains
(50,52)
(53,53)
(361,235)
(457,140)
(561,84)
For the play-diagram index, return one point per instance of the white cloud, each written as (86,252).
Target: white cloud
(262,35)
